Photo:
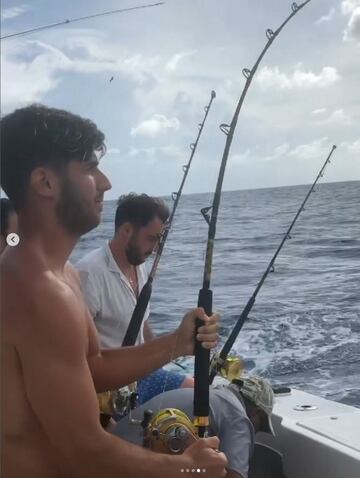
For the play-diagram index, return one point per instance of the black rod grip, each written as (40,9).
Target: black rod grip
(202,359)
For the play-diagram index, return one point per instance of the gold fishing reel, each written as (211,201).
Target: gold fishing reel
(170,431)
(231,368)
(118,402)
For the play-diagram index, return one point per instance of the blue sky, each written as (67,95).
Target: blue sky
(166,60)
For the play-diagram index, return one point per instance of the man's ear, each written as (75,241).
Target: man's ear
(127,230)
(45,182)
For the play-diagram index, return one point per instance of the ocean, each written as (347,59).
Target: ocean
(304,329)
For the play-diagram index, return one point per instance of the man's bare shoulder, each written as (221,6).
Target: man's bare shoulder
(47,299)
(73,273)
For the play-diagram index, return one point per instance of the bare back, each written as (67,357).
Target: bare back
(26,448)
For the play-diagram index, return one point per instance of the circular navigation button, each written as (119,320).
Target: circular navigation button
(12,239)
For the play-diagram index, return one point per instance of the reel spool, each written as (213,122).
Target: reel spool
(231,368)
(170,431)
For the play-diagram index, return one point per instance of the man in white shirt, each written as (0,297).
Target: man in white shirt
(113,276)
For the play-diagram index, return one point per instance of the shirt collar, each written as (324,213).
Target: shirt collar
(113,267)
(110,261)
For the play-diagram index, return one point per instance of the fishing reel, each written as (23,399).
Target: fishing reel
(170,431)
(118,402)
(231,368)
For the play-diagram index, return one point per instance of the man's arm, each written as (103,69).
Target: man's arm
(115,368)
(147,331)
(52,347)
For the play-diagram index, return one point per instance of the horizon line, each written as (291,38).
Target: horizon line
(244,189)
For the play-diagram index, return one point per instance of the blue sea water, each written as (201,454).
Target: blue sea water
(304,329)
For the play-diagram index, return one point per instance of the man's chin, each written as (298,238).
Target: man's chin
(136,261)
(96,221)
(83,227)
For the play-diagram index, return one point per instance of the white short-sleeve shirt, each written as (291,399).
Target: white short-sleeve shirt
(109,295)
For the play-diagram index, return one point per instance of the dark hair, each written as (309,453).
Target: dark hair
(139,209)
(6,209)
(40,136)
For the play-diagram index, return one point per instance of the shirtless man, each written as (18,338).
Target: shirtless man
(52,365)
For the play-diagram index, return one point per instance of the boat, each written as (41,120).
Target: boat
(314,438)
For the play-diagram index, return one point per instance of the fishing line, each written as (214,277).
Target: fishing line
(77,19)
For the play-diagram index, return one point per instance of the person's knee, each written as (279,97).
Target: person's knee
(188,382)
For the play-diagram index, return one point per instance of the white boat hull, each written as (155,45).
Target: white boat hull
(316,437)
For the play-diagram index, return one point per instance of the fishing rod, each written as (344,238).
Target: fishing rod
(145,294)
(202,356)
(78,19)
(218,361)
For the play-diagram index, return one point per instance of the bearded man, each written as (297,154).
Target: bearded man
(113,276)
(52,364)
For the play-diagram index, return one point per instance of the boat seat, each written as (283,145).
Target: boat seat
(265,463)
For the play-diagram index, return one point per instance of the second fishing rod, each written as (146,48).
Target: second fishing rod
(218,362)
(202,356)
(145,294)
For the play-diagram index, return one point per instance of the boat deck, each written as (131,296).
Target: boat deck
(317,437)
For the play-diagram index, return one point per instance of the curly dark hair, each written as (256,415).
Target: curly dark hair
(40,136)
(139,209)
(6,208)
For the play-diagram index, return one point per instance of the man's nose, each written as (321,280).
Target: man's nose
(103,182)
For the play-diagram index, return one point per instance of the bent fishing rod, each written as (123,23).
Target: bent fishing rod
(218,361)
(145,294)
(202,356)
(77,19)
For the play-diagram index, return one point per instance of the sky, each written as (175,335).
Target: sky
(145,76)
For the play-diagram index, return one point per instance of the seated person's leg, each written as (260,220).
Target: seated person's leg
(161,381)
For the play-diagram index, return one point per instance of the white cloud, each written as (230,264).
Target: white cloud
(26,81)
(89,54)
(174,61)
(31,69)
(12,12)
(282,149)
(155,125)
(154,154)
(351,9)
(113,151)
(273,77)
(326,18)
(236,159)
(351,147)
(311,150)
(279,151)
(337,117)
(319,111)
(348,6)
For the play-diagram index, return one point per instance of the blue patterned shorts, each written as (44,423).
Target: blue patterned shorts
(154,384)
